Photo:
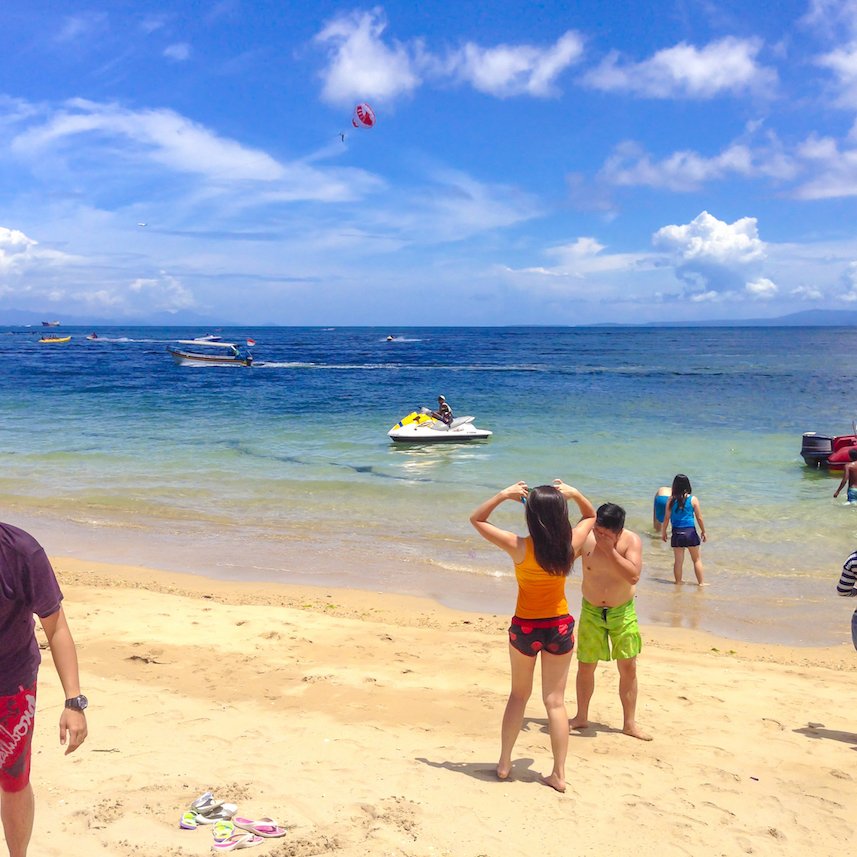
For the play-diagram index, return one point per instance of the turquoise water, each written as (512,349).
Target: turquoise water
(284,471)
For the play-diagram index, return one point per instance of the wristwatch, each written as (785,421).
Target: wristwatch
(77,703)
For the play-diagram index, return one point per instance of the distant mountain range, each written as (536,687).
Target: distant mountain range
(806,318)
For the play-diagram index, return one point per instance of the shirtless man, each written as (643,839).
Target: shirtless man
(849,476)
(607,629)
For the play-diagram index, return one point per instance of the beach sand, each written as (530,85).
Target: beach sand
(369,724)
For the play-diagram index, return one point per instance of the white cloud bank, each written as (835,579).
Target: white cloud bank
(714,258)
(362,64)
(728,65)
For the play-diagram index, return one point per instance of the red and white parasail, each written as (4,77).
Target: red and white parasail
(364,116)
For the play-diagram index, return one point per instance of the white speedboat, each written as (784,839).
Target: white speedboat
(221,354)
(421,427)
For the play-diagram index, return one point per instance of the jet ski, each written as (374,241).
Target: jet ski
(421,427)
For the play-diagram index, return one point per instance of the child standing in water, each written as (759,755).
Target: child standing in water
(682,513)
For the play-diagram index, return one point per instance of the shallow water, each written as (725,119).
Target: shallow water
(284,472)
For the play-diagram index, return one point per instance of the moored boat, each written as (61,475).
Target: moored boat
(222,354)
(821,450)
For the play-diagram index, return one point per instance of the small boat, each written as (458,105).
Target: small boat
(50,324)
(55,339)
(421,427)
(832,452)
(208,337)
(223,354)
(92,336)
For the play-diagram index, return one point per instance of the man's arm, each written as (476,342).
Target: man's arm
(846,586)
(72,723)
(845,474)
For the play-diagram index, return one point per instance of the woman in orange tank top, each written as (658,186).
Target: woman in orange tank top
(541,623)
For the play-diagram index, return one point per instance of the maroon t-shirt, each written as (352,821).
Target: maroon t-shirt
(28,585)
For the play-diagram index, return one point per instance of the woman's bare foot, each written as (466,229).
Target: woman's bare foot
(503,771)
(635,732)
(578,723)
(554,782)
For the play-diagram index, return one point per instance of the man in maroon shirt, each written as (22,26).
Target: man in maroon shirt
(28,586)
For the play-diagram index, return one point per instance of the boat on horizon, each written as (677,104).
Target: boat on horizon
(50,324)
(223,354)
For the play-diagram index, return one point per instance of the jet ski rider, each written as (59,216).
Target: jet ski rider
(443,412)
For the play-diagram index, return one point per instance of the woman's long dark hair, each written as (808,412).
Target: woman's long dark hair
(681,491)
(547,521)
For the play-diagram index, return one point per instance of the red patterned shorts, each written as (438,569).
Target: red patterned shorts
(17,717)
(531,636)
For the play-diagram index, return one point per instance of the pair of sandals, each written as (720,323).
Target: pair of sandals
(230,832)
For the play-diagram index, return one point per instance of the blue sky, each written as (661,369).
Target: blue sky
(531,163)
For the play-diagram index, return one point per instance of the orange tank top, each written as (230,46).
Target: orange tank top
(540,595)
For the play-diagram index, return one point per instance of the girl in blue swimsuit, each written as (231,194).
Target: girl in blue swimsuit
(682,513)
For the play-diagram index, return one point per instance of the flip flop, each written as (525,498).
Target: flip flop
(264,827)
(188,820)
(222,830)
(204,800)
(237,841)
(219,810)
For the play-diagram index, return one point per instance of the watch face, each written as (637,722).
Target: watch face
(78,703)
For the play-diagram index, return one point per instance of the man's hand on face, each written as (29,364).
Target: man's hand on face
(605,540)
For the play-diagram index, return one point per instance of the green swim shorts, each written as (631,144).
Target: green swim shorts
(608,633)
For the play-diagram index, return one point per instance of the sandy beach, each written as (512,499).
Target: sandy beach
(369,724)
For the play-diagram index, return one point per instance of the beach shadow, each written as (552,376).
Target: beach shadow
(590,732)
(593,729)
(487,772)
(817,730)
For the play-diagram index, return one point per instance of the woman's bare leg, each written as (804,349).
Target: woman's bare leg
(697,565)
(554,679)
(678,562)
(523,667)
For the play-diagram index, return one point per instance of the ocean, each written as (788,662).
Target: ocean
(284,471)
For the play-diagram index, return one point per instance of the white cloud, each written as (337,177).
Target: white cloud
(178,52)
(836,169)
(163,293)
(361,64)
(807,293)
(762,288)
(631,166)
(726,66)
(84,25)
(20,253)
(710,255)
(162,135)
(831,17)
(507,70)
(848,282)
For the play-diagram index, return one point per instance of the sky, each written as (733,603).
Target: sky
(530,162)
